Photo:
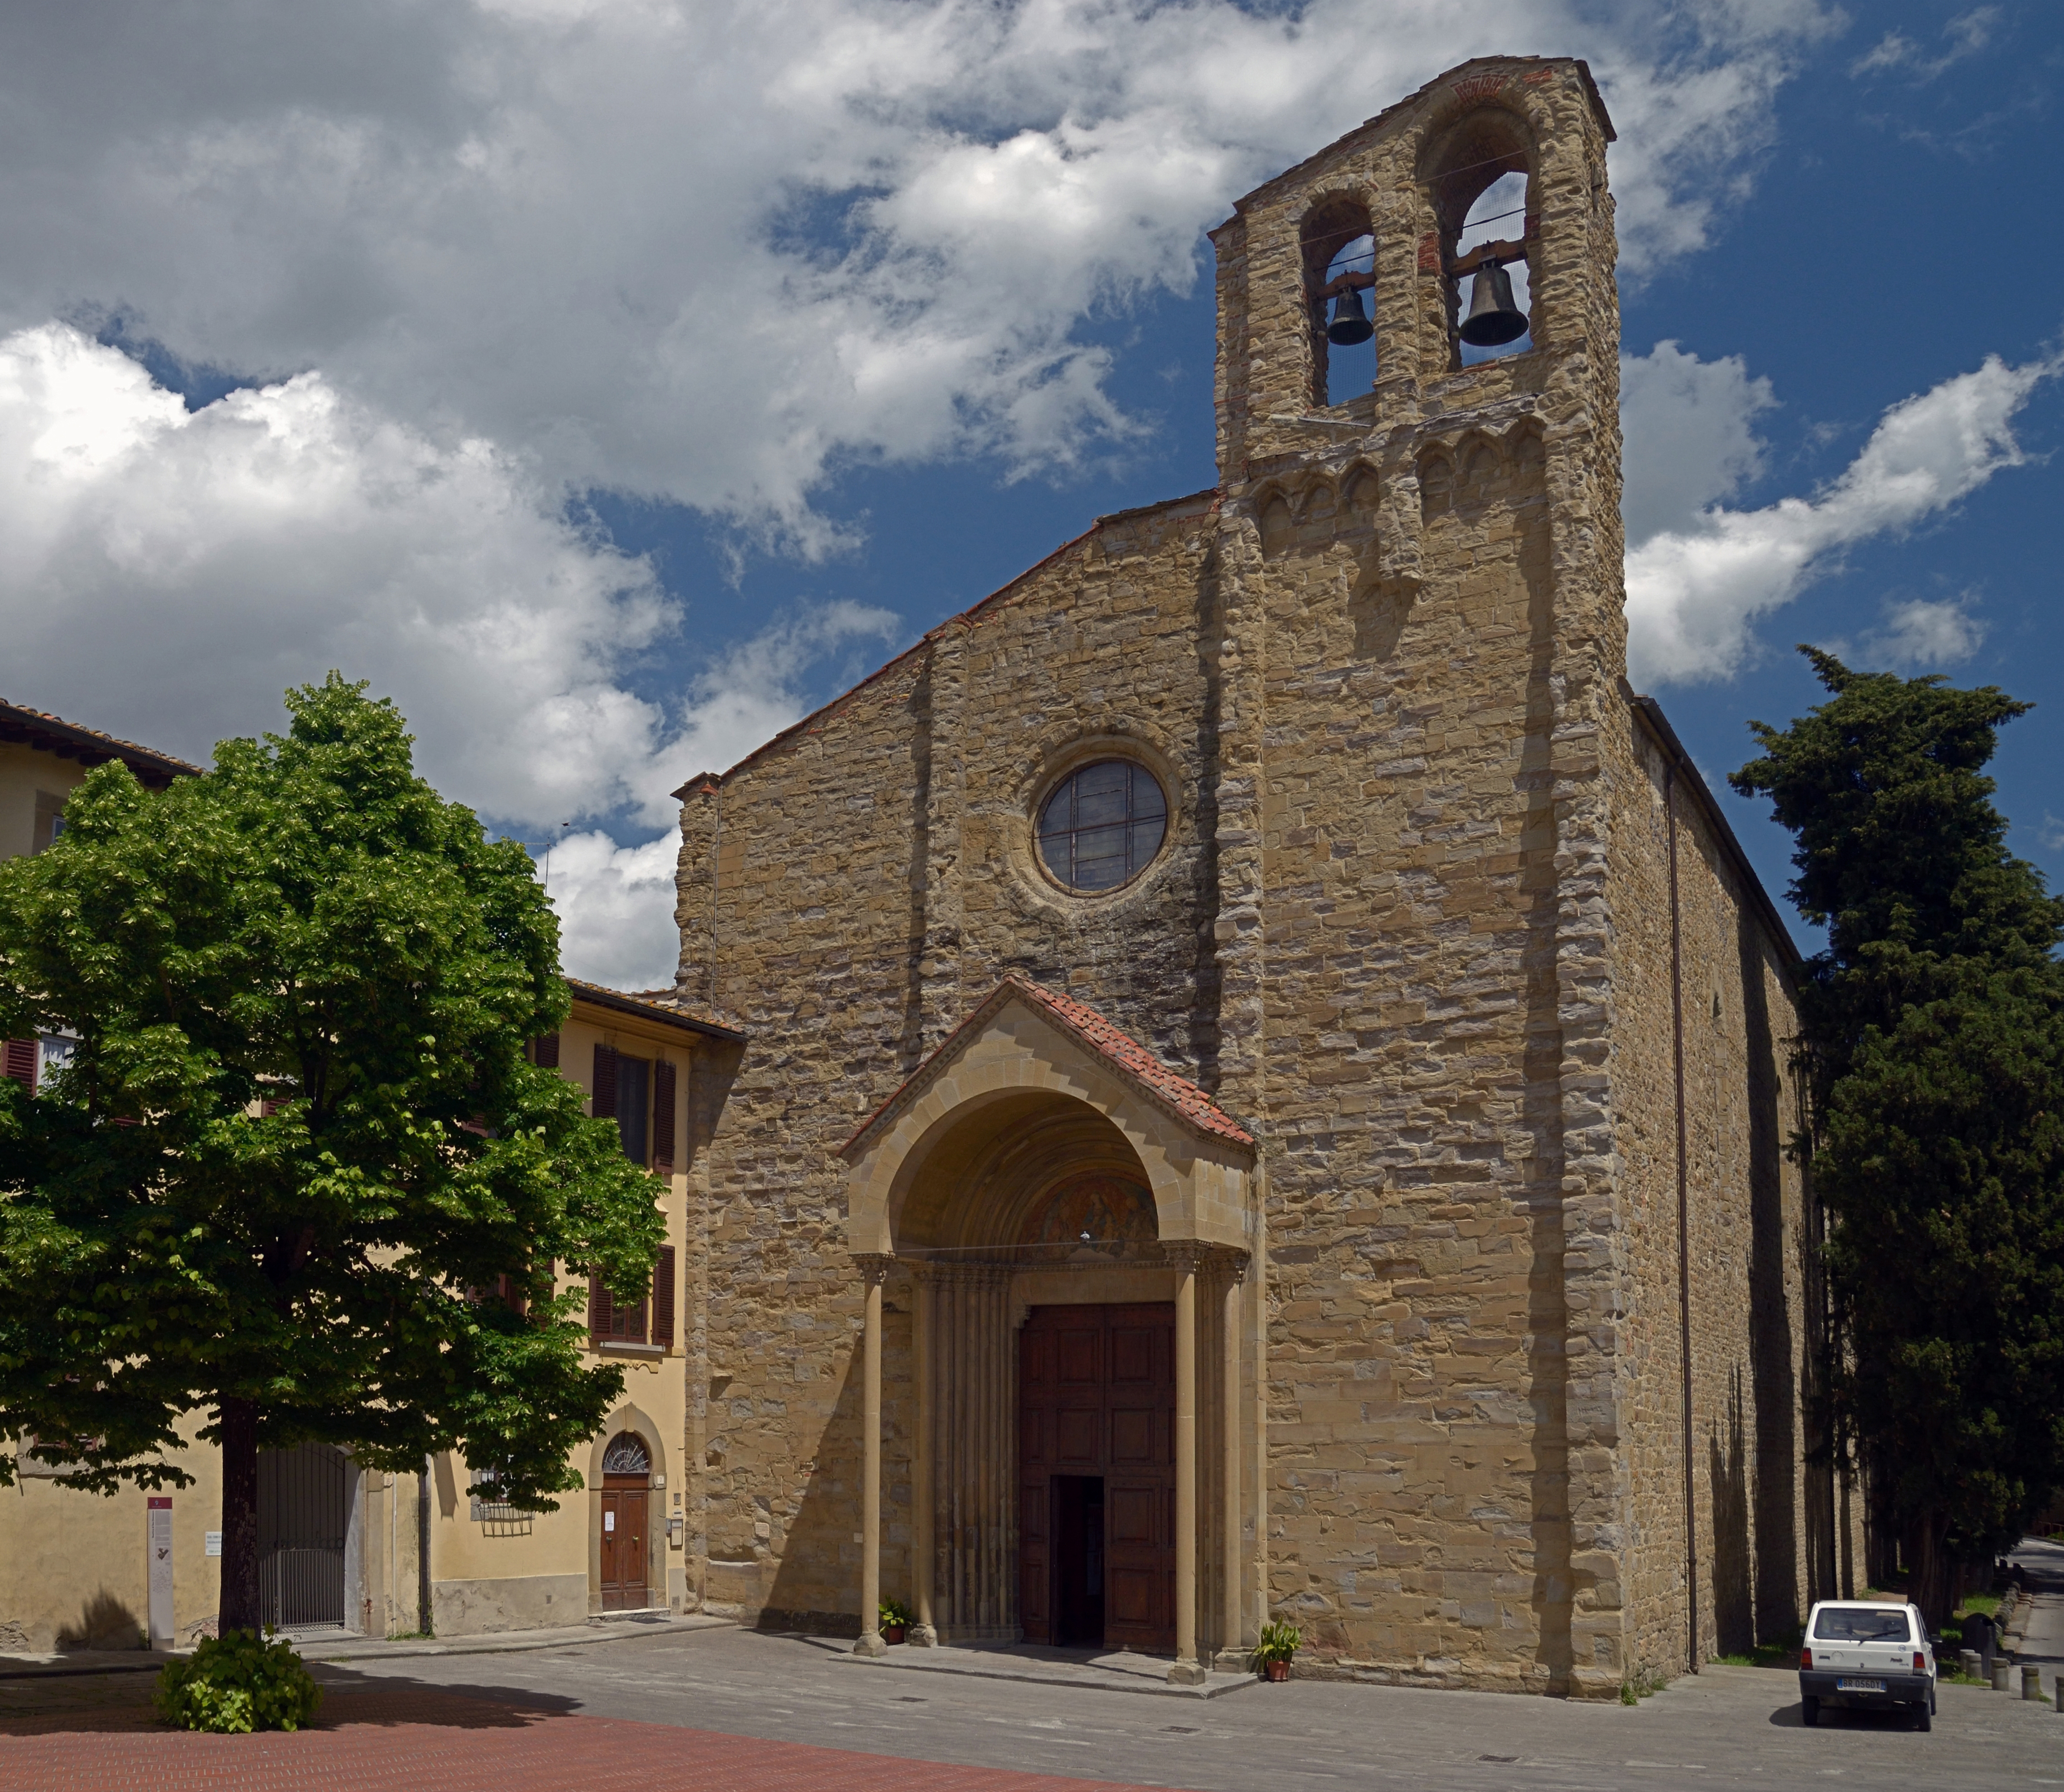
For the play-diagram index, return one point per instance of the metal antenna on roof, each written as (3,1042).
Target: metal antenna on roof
(548,846)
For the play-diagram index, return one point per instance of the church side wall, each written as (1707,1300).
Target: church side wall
(1762,1510)
(870,878)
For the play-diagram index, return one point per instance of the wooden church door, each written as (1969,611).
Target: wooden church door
(1097,1405)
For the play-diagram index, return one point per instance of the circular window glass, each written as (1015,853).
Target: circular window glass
(1102,825)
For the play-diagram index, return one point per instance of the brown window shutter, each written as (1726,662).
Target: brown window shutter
(545,1051)
(21,1062)
(605,1082)
(599,1314)
(663,1116)
(662,1299)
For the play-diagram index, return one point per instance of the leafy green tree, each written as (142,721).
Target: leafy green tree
(299,1138)
(1933,1025)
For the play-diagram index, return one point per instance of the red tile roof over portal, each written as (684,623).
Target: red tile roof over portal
(1083,1023)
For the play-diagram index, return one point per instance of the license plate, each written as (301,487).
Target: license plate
(1859,1686)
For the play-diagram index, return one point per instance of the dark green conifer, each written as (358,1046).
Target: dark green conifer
(1933,1036)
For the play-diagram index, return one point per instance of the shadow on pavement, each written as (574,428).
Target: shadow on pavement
(122,1706)
(349,1697)
(1790,1717)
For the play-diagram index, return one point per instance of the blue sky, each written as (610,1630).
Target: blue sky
(1885,244)
(613,384)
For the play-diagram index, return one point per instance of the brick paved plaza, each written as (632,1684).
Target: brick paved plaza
(387,1736)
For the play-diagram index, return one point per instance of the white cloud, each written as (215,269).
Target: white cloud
(168,575)
(706,251)
(479,255)
(1688,436)
(1921,633)
(616,909)
(1968,33)
(1693,591)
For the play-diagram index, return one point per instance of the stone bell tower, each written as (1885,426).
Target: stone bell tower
(1420,652)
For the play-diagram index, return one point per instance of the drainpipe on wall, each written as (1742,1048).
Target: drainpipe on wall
(1684,1215)
(423,1548)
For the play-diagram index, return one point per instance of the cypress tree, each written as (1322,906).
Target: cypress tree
(1932,1043)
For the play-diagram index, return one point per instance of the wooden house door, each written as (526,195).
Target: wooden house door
(623,1543)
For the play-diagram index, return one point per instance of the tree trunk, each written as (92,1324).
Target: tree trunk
(1930,1576)
(239,1608)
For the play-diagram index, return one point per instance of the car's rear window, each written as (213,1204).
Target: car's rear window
(1860,1623)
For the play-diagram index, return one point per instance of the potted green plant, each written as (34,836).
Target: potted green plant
(1279,1642)
(895,1619)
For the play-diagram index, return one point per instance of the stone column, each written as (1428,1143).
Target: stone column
(1188,1670)
(1230,1638)
(924,1633)
(874,1271)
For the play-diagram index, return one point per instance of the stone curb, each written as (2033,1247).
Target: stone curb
(511,1643)
(1027,1676)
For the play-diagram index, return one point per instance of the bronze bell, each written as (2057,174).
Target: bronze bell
(1493,318)
(1350,323)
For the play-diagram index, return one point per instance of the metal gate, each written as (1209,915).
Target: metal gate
(304,1509)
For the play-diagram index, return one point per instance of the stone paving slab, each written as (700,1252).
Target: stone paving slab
(375,1740)
(1081,1670)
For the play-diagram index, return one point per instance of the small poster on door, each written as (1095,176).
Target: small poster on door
(609,1521)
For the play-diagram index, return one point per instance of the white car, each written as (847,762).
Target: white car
(1868,1657)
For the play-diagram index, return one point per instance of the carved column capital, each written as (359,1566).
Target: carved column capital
(1190,1254)
(873,1266)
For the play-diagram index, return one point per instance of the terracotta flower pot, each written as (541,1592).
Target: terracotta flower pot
(892,1633)
(1276,1670)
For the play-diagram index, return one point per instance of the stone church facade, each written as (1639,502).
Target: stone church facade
(1264,1081)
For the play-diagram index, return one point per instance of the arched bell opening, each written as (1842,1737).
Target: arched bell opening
(1476,175)
(1498,215)
(1004,1175)
(1339,250)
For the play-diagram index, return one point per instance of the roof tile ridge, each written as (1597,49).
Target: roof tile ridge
(51,716)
